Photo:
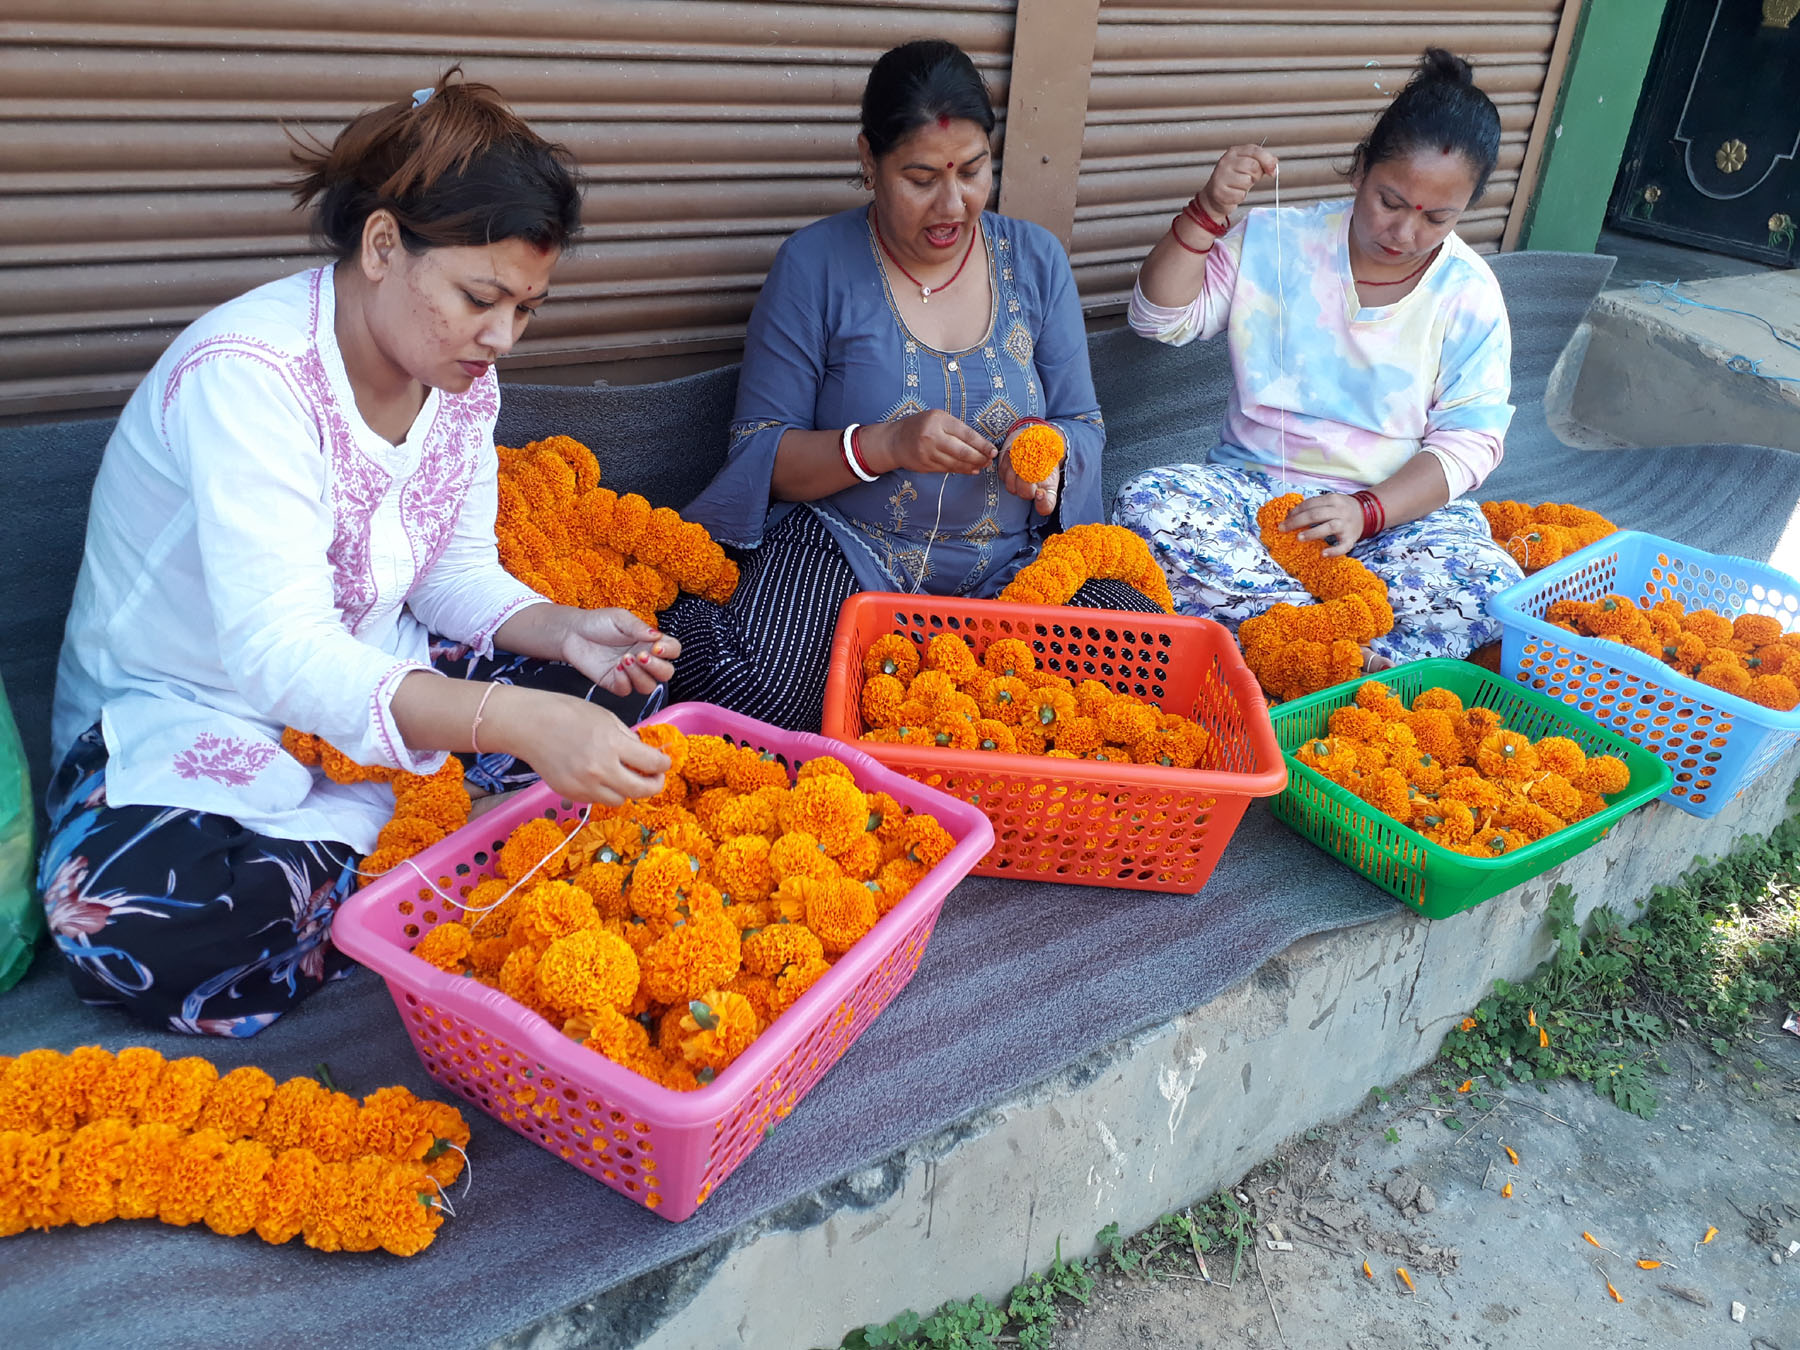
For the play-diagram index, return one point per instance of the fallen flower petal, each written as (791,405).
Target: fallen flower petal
(1511,1156)
(1543,1039)
(1367,1272)
(1648,1265)
(1531,1017)
(1468,1083)
(1617,1296)
(1506,1191)
(1591,1238)
(1711,1233)
(1405,1279)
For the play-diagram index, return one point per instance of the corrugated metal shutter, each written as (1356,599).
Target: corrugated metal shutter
(1177,81)
(142,152)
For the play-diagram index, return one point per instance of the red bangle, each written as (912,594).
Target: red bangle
(1025,422)
(1374,513)
(1197,213)
(856,450)
(1175,234)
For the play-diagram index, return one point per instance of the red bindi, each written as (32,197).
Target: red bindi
(950,165)
(943,121)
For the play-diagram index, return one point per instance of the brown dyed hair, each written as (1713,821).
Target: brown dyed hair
(461,169)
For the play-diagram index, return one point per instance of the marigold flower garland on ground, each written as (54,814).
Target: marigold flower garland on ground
(1006,703)
(1300,649)
(1454,775)
(568,538)
(1537,536)
(669,933)
(90,1136)
(427,807)
(1071,559)
(1749,656)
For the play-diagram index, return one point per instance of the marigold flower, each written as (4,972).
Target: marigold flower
(660,882)
(587,970)
(537,841)
(1506,755)
(1604,775)
(925,841)
(797,979)
(1331,756)
(751,769)
(718,1027)
(302,745)
(695,956)
(949,653)
(771,950)
(1774,691)
(892,654)
(1008,656)
(124,1088)
(1035,452)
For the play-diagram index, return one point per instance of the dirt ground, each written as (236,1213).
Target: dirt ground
(1512,1273)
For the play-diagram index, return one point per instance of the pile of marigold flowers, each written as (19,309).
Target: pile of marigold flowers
(1071,559)
(1537,536)
(427,807)
(1295,650)
(580,544)
(1455,775)
(90,1136)
(669,933)
(1749,656)
(1005,703)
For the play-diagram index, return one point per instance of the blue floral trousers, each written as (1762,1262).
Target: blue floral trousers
(1200,521)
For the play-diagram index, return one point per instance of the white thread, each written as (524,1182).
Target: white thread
(468,1167)
(930,539)
(587,811)
(1281,318)
(447,1207)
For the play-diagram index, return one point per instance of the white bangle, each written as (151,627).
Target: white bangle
(850,455)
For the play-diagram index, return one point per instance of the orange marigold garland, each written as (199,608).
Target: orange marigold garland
(1537,536)
(583,545)
(667,935)
(1071,559)
(1749,656)
(1023,710)
(1480,790)
(427,807)
(89,1137)
(1301,649)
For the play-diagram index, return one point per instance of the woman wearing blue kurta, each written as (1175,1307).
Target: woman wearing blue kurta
(892,354)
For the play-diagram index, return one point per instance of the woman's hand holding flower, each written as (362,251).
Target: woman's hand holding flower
(1333,518)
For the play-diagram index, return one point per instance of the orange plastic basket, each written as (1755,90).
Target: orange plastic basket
(1140,826)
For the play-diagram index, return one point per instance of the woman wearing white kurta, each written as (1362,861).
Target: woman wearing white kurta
(299,493)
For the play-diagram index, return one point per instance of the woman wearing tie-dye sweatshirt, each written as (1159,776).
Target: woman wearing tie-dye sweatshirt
(1370,354)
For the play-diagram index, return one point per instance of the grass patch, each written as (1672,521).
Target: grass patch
(1709,950)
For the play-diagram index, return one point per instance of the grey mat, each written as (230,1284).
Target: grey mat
(1061,970)
(1018,981)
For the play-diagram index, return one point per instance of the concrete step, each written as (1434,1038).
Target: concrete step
(1693,362)
(1140,1127)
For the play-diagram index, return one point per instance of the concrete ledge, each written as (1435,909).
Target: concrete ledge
(1139,1127)
(1659,372)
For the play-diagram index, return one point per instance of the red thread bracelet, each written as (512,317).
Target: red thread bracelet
(1373,512)
(1198,214)
(1175,234)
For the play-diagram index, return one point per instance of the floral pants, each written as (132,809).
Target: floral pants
(191,922)
(1200,521)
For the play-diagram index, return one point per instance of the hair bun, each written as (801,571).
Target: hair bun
(1438,64)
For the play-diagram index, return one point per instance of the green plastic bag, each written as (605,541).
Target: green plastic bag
(21,917)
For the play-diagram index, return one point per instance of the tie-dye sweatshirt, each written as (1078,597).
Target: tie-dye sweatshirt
(1359,390)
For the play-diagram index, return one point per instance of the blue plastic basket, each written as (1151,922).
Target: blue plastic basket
(1716,743)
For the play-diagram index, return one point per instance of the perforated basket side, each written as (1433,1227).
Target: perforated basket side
(1716,744)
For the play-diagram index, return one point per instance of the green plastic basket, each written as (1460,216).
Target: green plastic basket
(1430,878)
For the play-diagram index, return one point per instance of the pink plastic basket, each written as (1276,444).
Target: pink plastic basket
(666,1150)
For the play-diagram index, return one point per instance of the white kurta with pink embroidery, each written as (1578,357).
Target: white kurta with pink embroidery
(258,558)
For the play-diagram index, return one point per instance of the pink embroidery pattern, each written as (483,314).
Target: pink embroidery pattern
(432,498)
(225,759)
